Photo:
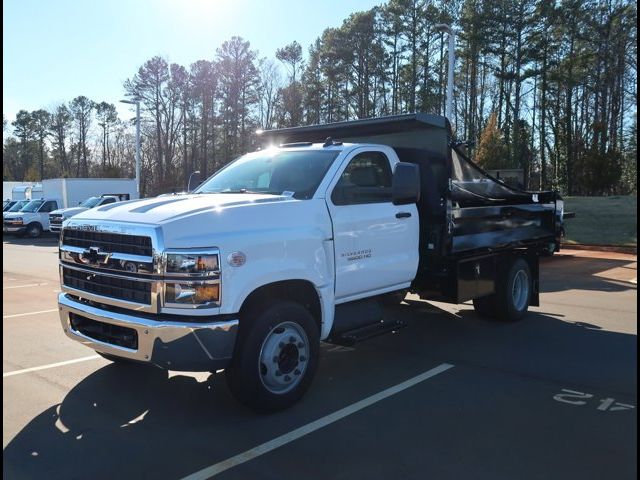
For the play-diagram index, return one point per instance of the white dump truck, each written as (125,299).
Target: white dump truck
(297,243)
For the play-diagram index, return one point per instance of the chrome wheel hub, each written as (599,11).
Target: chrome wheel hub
(520,291)
(283,357)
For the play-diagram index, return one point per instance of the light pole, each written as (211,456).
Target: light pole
(137,104)
(442,27)
(197,172)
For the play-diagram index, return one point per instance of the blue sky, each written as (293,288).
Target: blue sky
(54,50)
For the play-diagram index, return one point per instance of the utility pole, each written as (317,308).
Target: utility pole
(441,27)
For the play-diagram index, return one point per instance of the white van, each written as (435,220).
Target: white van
(32,219)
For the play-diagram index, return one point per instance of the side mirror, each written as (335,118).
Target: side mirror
(406,184)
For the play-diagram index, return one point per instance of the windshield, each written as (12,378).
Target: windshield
(18,205)
(296,173)
(90,202)
(32,206)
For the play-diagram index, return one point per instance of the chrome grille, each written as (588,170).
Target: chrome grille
(55,219)
(122,288)
(110,242)
(112,264)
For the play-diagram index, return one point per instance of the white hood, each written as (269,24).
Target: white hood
(69,212)
(199,220)
(159,210)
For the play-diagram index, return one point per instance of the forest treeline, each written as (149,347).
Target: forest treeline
(546,86)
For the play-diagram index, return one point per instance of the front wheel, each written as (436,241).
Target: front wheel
(276,357)
(33,230)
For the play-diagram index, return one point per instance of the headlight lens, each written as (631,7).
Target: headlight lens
(192,293)
(187,263)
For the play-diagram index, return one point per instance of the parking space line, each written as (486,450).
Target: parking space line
(29,313)
(315,425)
(23,286)
(51,365)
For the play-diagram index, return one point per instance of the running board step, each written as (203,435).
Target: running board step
(357,335)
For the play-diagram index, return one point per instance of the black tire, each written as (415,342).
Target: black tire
(33,230)
(510,303)
(248,376)
(392,299)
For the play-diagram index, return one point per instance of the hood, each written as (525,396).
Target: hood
(69,212)
(227,221)
(15,214)
(160,210)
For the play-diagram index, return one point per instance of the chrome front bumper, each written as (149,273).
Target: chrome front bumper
(185,346)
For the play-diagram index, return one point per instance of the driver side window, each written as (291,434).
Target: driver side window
(367,179)
(49,206)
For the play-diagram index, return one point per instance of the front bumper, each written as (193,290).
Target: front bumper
(182,346)
(13,228)
(55,227)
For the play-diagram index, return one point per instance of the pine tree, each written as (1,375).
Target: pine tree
(492,150)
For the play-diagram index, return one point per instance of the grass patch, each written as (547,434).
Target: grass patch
(602,220)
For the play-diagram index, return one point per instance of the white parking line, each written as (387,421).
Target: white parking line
(23,286)
(29,313)
(51,365)
(313,426)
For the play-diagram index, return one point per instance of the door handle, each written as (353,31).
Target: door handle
(403,215)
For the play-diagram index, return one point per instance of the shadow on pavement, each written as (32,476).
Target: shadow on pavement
(135,422)
(47,239)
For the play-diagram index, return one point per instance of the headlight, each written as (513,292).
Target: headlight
(191,263)
(192,293)
(192,278)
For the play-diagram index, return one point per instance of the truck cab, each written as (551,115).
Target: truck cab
(14,206)
(301,241)
(56,217)
(32,219)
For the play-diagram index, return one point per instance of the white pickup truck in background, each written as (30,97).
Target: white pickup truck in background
(57,217)
(55,194)
(296,244)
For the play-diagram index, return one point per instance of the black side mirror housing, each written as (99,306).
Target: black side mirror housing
(406,184)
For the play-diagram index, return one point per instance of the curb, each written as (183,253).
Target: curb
(601,248)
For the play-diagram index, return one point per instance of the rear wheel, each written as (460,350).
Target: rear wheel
(276,357)
(513,294)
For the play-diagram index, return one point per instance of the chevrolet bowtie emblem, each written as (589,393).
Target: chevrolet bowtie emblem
(93,255)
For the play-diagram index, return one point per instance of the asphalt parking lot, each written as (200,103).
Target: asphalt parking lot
(449,397)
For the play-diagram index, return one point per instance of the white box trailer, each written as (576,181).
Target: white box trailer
(7,189)
(25,191)
(70,192)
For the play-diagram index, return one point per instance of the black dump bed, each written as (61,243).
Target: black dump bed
(463,210)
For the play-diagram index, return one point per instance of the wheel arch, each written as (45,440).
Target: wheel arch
(301,291)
